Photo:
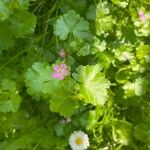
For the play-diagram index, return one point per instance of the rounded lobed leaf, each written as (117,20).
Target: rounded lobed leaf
(92,85)
(39,81)
(63,98)
(71,23)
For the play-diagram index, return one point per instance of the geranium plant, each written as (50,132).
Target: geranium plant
(74,74)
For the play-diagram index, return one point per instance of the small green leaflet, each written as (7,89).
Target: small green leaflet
(9,97)
(72,23)
(92,85)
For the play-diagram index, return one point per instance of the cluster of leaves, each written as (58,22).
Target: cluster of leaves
(106,93)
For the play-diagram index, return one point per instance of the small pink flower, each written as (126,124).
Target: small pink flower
(142,15)
(60,71)
(62,53)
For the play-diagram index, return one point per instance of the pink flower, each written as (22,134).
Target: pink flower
(142,15)
(62,53)
(60,71)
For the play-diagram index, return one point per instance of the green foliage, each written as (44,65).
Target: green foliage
(122,132)
(9,97)
(101,14)
(81,47)
(65,99)
(15,20)
(74,24)
(104,52)
(39,81)
(22,23)
(92,85)
(143,53)
(141,132)
(6,37)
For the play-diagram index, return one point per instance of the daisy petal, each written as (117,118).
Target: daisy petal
(79,141)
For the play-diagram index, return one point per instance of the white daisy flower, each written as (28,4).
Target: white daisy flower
(79,140)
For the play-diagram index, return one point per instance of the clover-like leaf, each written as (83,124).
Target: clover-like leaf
(72,23)
(9,97)
(63,100)
(92,86)
(39,81)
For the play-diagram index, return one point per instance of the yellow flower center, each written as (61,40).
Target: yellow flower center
(79,141)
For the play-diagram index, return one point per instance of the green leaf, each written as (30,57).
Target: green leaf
(92,85)
(61,29)
(91,14)
(123,75)
(143,53)
(104,24)
(5,11)
(39,81)
(59,129)
(141,85)
(81,47)
(6,37)
(93,117)
(9,97)
(19,4)
(29,139)
(104,21)
(142,132)
(98,46)
(129,89)
(64,103)
(77,5)
(23,23)
(7,7)
(102,9)
(72,23)
(122,4)
(122,132)
(138,87)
